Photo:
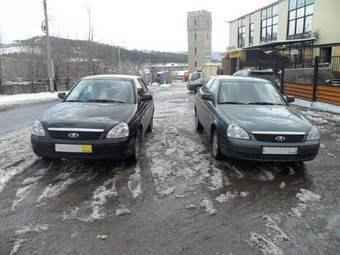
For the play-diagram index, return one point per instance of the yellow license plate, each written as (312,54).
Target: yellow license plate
(87,148)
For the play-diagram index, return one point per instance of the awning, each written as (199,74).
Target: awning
(283,44)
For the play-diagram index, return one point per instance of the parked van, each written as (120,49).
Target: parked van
(195,81)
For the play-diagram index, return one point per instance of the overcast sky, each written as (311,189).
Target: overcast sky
(134,24)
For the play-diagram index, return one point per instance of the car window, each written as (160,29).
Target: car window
(143,84)
(249,92)
(103,91)
(206,87)
(214,87)
(195,76)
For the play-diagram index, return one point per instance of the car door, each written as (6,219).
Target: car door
(145,107)
(211,105)
(201,106)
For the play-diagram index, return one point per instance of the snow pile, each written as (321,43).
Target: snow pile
(317,105)
(307,196)
(266,246)
(208,206)
(122,210)
(21,194)
(16,155)
(134,183)
(100,196)
(53,190)
(226,197)
(17,245)
(11,100)
(38,228)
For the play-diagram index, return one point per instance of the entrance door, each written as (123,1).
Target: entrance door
(326,55)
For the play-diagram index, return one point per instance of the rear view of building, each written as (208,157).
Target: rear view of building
(199,25)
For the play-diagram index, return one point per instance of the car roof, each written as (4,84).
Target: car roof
(110,76)
(237,78)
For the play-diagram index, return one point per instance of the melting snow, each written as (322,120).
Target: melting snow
(122,210)
(134,183)
(17,245)
(307,196)
(21,194)
(32,228)
(226,197)
(266,246)
(16,155)
(208,205)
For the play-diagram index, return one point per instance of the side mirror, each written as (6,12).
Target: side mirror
(146,97)
(290,99)
(207,96)
(61,95)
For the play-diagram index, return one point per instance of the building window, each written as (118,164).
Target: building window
(195,22)
(251,30)
(269,21)
(195,63)
(195,51)
(241,32)
(300,18)
(195,36)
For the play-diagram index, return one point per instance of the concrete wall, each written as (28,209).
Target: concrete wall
(326,21)
(29,88)
(283,20)
(202,43)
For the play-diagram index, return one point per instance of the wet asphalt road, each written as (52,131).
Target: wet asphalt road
(177,200)
(16,118)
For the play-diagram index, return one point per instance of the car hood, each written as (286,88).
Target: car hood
(265,118)
(87,115)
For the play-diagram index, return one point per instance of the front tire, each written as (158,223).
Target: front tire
(216,151)
(198,124)
(150,127)
(137,146)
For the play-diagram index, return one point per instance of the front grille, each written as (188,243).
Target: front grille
(272,138)
(82,135)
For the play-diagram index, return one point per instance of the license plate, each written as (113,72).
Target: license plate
(75,148)
(280,150)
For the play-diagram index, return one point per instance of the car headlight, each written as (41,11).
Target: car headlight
(313,134)
(119,131)
(235,131)
(38,129)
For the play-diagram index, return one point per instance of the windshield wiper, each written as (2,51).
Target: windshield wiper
(105,101)
(231,102)
(74,101)
(264,103)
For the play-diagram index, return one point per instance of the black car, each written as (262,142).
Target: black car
(249,119)
(266,74)
(103,116)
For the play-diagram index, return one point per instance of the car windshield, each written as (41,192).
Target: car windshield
(102,91)
(249,92)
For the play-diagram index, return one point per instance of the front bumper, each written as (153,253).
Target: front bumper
(252,150)
(192,87)
(101,148)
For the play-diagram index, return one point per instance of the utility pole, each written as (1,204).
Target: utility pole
(50,69)
(119,60)
(0,63)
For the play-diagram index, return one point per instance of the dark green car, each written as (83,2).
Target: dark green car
(249,119)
